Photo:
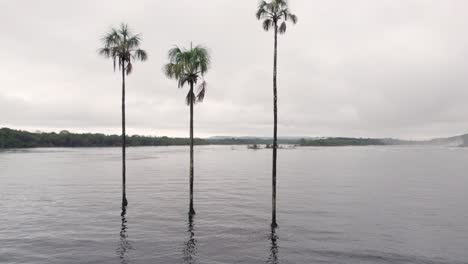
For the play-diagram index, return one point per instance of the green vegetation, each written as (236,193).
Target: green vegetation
(123,48)
(188,66)
(10,138)
(274,15)
(341,141)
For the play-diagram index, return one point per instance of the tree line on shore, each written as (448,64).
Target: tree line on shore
(341,141)
(11,138)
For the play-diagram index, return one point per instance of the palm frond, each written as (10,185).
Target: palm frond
(133,41)
(121,63)
(124,30)
(129,68)
(112,38)
(173,71)
(275,6)
(290,17)
(293,18)
(168,70)
(281,3)
(116,51)
(282,28)
(202,59)
(104,52)
(182,81)
(190,98)
(140,55)
(261,11)
(284,13)
(267,24)
(201,91)
(173,54)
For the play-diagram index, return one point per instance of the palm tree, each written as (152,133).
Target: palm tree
(274,15)
(123,48)
(188,66)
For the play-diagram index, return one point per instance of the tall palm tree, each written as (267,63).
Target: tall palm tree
(123,48)
(188,66)
(274,15)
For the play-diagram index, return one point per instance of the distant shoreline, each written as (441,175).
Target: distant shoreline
(17,139)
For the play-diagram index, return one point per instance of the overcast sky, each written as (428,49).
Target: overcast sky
(387,68)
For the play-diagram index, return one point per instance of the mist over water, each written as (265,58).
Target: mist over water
(335,205)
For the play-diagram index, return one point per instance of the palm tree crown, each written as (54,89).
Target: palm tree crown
(123,47)
(273,13)
(187,66)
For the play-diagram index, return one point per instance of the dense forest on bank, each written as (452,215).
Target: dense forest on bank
(11,138)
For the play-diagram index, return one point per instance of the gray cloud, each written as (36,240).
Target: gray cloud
(359,68)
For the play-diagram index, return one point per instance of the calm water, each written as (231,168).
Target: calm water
(336,205)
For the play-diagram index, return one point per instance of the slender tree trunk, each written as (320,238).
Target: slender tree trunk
(275,143)
(191,210)
(124,194)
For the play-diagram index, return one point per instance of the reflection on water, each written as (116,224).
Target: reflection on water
(124,244)
(190,247)
(273,258)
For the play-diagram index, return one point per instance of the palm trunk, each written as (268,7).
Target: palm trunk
(124,195)
(275,143)
(191,210)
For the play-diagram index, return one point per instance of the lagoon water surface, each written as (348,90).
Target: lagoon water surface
(335,205)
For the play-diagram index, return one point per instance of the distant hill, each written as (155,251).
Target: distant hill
(461,140)
(456,141)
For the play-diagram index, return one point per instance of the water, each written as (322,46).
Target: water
(335,205)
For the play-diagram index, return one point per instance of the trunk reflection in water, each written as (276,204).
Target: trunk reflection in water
(273,258)
(124,245)
(190,246)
